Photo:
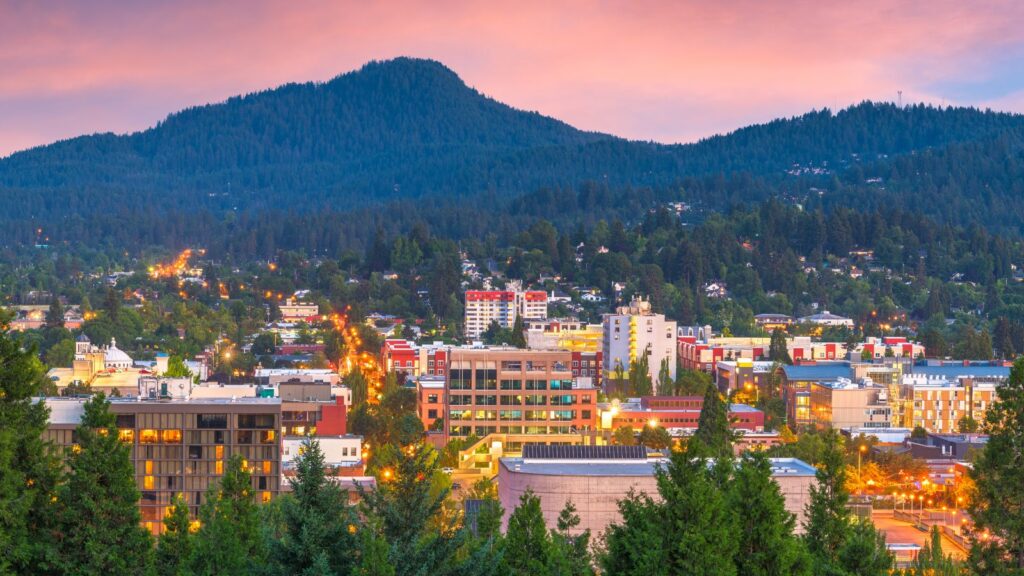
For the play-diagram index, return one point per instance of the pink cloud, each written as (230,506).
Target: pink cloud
(670,71)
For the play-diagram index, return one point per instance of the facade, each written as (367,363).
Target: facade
(33,316)
(414,360)
(272,377)
(937,402)
(826,318)
(705,354)
(796,384)
(430,399)
(294,311)
(563,334)
(751,377)
(635,330)
(843,404)
(772,322)
(888,346)
(511,391)
(343,451)
(182,447)
(586,368)
(595,478)
(502,306)
(677,414)
(105,369)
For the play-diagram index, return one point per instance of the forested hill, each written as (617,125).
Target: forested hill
(407,129)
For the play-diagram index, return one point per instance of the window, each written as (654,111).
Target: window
(511,384)
(148,483)
(511,365)
(218,467)
(148,436)
(170,436)
(432,413)
(126,420)
(431,398)
(267,437)
(218,437)
(260,421)
(207,421)
(195,452)
(126,435)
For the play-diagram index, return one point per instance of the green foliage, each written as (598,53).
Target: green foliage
(638,382)
(996,507)
(573,544)
(656,437)
(229,541)
(778,351)
(827,517)
(359,385)
(931,560)
(529,548)
(692,383)
(316,518)
(176,368)
(767,545)
(29,472)
(174,548)
(61,354)
(624,436)
(714,436)
(98,504)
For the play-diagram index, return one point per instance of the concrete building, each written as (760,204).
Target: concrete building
(826,318)
(343,452)
(595,478)
(705,354)
(414,360)
(430,399)
(182,447)
(772,322)
(105,369)
(293,310)
(563,334)
(511,391)
(635,330)
(938,400)
(502,306)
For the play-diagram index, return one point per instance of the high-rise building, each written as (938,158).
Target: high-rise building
(938,397)
(502,306)
(633,331)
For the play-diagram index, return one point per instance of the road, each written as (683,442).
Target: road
(900,532)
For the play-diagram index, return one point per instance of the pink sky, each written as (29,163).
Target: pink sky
(664,71)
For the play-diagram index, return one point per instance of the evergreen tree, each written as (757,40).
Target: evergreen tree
(55,314)
(640,377)
(863,551)
(373,555)
(101,532)
(174,548)
(931,560)
(998,503)
(228,542)
(778,350)
(528,546)
(666,385)
(176,368)
(656,437)
(318,523)
(574,547)
(714,436)
(638,545)
(29,470)
(518,337)
(767,546)
(359,386)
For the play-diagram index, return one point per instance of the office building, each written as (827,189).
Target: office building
(182,447)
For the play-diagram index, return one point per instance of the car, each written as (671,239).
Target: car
(448,470)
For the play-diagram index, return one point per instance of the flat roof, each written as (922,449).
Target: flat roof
(960,370)
(830,371)
(788,467)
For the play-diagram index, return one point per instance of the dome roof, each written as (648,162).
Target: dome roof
(114,355)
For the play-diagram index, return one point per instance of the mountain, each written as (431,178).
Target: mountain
(410,129)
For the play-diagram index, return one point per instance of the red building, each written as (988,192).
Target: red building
(413,360)
(587,365)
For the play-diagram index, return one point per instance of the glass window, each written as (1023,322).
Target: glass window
(260,421)
(212,421)
(170,436)
(148,436)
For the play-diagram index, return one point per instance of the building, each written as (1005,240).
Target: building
(430,400)
(563,334)
(293,310)
(772,322)
(635,330)
(826,318)
(887,347)
(586,368)
(937,398)
(697,354)
(596,478)
(414,360)
(272,377)
(511,391)
(748,376)
(105,369)
(182,447)
(33,317)
(796,382)
(677,414)
(502,306)
(343,452)
(843,403)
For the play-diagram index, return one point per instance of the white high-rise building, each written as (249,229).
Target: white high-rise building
(635,330)
(503,307)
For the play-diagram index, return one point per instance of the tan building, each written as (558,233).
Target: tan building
(105,369)
(512,391)
(595,478)
(937,403)
(636,330)
(846,404)
(182,447)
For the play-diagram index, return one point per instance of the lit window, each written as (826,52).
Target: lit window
(171,436)
(126,435)
(218,467)
(149,466)
(266,497)
(147,436)
(148,483)
(219,452)
(266,466)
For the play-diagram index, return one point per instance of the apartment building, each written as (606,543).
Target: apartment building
(182,447)
(697,354)
(937,402)
(635,330)
(293,310)
(414,360)
(502,306)
(511,391)
(677,414)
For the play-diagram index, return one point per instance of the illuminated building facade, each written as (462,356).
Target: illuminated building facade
(502,306)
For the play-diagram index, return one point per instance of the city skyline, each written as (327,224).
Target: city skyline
(643,71)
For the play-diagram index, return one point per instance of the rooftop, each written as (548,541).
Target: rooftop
(823,371)
(789,467)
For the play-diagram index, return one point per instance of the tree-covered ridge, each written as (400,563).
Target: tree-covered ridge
(406,130)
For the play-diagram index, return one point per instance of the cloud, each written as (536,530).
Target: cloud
(668,71)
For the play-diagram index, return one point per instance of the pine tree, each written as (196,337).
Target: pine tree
(101,532)
(55,314)
(827,517)
(176,368)
(767,546)
(29,470)
(574,547)
(998,504)
(528,546)
(229,542)
(666,385)
(778,350)
(373,555)
(638,545)
(174,548)
(518,337)
(931,561)
(863,551)
(713,437)
(317,521)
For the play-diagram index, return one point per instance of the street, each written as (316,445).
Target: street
(900,532)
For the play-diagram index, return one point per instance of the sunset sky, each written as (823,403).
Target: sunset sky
(664,71)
